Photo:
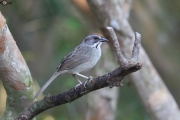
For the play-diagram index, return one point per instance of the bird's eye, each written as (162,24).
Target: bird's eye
(95,38)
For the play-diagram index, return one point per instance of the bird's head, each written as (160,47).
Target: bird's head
(94,40)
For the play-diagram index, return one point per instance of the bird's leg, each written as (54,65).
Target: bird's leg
(90,78)
(74,75)
(83,76)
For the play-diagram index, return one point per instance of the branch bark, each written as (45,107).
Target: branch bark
(111,79)
(158,102)
(14,74)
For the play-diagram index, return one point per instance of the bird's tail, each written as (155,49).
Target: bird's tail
(47,83)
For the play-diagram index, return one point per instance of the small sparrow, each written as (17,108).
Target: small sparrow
(81,59)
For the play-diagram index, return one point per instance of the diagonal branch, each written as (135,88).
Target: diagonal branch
(147,82)
(97,83)
(115,42)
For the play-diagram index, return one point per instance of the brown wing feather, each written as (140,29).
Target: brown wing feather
(79,55)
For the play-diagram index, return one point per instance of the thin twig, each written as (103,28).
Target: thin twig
(135,52)
(121,58)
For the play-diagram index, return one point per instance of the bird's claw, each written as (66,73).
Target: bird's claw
(77,86)
(85,84)
(90,78)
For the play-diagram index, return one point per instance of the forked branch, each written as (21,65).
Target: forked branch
(110,79)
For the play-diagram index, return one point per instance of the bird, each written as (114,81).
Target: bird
(81,59)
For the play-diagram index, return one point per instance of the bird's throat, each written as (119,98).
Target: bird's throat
(98,45)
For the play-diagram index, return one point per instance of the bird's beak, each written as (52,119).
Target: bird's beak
(103,39)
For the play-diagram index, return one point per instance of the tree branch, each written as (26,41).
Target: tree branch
(147,81)
(136,47)
(115,42)
(110,79)
(14,74)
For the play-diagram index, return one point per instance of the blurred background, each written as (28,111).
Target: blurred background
(46,30)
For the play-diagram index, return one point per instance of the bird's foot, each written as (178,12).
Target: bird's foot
(85,84)
(84,87)
(77,86)
(90,78)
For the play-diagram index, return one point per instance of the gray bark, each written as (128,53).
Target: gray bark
(14,74)
(158,102)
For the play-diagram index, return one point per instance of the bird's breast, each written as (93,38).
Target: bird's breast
(95,56)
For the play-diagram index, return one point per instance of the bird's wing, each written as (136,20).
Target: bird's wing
(79,55)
